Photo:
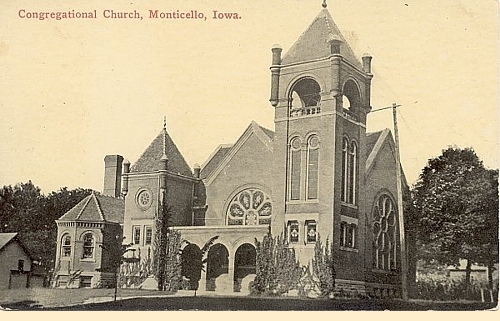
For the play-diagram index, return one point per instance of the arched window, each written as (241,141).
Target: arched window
(312,167)
(349,171)
(345,173)
(250,207)
(384,233)
(295,168)
(352,173)
(88,246)
(66,246)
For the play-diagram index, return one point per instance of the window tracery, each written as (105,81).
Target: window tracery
(384,233)
(250,207)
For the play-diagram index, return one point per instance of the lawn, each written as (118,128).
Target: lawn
(51,297)
(74,300)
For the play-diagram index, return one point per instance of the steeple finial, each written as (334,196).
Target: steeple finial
(324,5)
(164,135)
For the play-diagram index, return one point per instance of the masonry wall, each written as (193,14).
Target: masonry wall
(381,179)
(251,166)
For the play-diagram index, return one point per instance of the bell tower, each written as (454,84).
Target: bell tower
(321,94)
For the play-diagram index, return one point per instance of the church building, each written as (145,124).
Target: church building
(319,173)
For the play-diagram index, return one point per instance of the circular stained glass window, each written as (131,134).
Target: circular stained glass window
(250,207)
(144,199)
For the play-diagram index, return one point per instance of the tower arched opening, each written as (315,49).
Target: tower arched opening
(305,98)
(351,99)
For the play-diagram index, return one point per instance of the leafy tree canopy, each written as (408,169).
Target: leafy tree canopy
(25,210)
(456,209)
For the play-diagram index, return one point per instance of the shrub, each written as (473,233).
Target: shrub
(277,269)
(323,267)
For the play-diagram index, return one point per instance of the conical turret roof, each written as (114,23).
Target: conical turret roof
(314,42)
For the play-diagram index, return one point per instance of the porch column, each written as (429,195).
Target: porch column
(202,285)
(230,270)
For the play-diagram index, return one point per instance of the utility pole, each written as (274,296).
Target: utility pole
(399,190)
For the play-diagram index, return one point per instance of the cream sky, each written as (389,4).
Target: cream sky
(73,91)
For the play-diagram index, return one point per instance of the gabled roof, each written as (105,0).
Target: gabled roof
(313,43)
(5,238)
(217,165)
(96,208)
(371,140)
(214,159)
(374,143)
(150,159)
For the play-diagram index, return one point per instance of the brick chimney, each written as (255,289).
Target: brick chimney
(112,175)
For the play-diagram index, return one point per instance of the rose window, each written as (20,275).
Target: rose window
(144,199)
(384,233)
(250,207)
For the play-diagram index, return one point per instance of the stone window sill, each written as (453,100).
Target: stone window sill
(89,260)
(349,249)
(349,205)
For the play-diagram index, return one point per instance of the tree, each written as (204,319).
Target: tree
(25,210)
(456,202)
(323,267)
(277,269)
(194,263)
(167,263)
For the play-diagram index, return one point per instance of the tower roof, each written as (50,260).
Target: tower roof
(96,208)
(162,145)
(314,42)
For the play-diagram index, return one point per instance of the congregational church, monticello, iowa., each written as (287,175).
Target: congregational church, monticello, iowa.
(318,173)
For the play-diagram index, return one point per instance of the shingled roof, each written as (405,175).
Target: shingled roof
(97,208)
(150,159)
(214,159)
(371,140)
(222,152)
(313,43)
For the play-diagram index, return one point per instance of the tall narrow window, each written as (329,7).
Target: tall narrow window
(344,188)
(348,234)
(137,234)
(295,167)
(352,173)
(148,235)
(312,167)
(311,231)
(293,232)
(351,236)
(66,246)
(88,246)
(384,233)
(20,265)
(343,233)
